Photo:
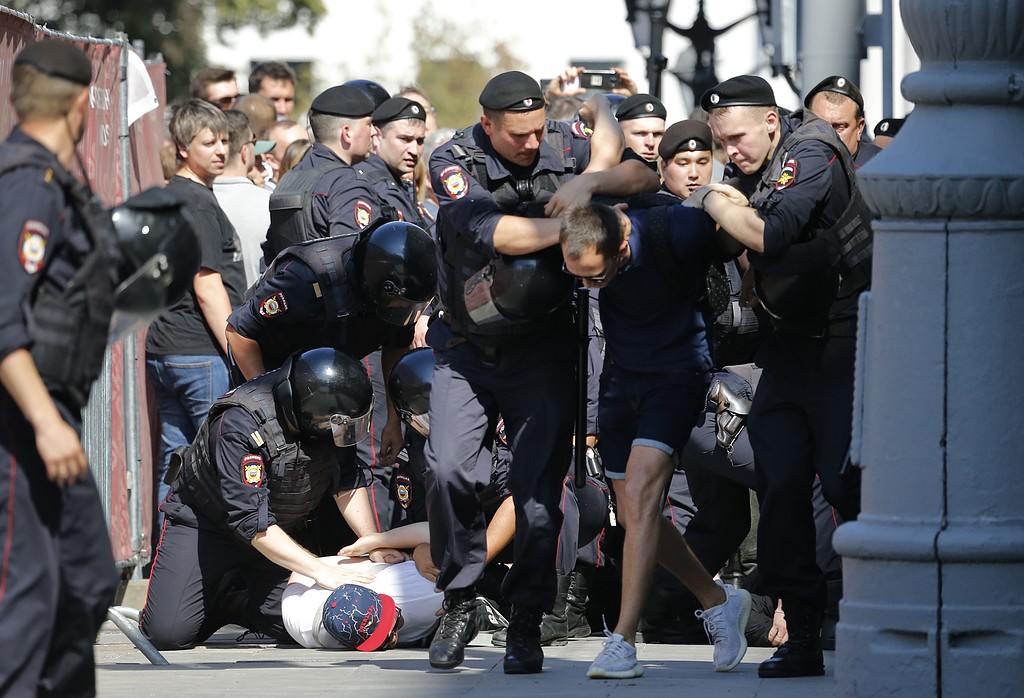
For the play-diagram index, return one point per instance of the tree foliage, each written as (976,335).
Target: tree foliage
(452,73)
(171,27)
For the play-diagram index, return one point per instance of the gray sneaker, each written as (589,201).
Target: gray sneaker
(616,661)
(725,625)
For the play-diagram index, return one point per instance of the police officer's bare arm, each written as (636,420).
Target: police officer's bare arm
(606,143)
(355,508)
(626,178)
(246,353)
(741,221)
(57,441)
(277,546)
(391,438)
(214,303)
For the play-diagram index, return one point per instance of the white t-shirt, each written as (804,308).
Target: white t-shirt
(303,602)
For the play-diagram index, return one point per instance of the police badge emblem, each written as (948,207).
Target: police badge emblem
(787,176)
(403,490)
(363,211)
(274,305)
(454,181)
(252,469)
(32,245)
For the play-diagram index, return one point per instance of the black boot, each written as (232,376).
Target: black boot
(833,595)
(553,627)
(801,655)
(457,629)
(576,606)
(523,654)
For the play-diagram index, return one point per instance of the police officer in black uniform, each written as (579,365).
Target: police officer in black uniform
(808,239)
(355,299)
(401,125)
(262,461)
(61,266)
(493,182)
(837,100)
(323,195)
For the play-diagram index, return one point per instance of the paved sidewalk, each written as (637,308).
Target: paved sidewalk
(225,667)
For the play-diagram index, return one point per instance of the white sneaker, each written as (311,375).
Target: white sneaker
(616,661)
(726,624)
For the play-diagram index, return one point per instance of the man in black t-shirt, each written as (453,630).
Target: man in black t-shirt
(186,346)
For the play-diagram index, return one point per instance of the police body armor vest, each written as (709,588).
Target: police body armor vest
(291,209)
(381,180)
(69,327)
(297,482)
(850,237)
(331,284)
(516,197)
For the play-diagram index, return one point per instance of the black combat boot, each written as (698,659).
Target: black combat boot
(523,654)
(801,655)
(576,606)
(553,627)
(457,629)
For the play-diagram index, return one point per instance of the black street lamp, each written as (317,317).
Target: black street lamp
(648,19)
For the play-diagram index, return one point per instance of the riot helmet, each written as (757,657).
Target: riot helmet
(409,388)
(518,288)
(374,90)
(159,256)
(331,396)
(398,267)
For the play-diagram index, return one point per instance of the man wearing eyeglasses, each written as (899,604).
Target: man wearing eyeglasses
(217,86)
(656,372)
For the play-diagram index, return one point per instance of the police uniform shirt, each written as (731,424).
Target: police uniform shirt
(398,192)
(243,476)
(467,207)
(647,326)
(182,329)
(285,313)
(865,151)
(37,220)
(344,203)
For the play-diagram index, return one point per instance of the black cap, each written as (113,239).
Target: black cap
(398,108)
(512,91)
(58,59)
(888,127)
(685,135)
(343,100)
(740,91)
(838,84)
(640,106)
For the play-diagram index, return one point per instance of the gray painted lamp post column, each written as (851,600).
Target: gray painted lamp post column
(934,567)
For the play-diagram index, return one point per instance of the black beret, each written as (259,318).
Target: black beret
(512,91)
(889,127)
(58,59)
(343,100)
(837,84)
(685,135)
(741,91)
(398,108)
(374,90)
(639,106)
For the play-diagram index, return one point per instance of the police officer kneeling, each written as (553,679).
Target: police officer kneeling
(261,463)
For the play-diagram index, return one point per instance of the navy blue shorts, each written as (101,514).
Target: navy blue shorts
(647,409)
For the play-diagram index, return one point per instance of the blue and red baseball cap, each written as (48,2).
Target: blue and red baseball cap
(360,618)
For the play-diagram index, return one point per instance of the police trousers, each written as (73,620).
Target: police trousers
(530,385)
(799,427)
(57,573)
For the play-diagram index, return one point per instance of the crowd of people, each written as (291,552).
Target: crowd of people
(372,394)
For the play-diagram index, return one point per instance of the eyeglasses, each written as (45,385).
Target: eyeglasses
(597,278)
(224,102)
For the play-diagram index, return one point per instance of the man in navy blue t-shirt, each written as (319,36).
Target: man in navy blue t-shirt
(656,372)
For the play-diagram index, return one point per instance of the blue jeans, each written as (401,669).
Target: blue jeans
(186,386)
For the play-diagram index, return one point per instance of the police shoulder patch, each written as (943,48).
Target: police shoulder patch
(32,245)
(454,181)
(787,176)
(252,469)
(581,130)
(403,490)
(274,305)
(363,213)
